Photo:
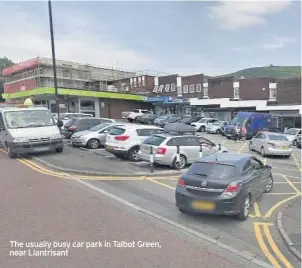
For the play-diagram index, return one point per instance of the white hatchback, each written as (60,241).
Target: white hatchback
(124,141)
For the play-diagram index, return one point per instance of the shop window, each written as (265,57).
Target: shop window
(192,89)
(173,87)
(198,88)
(160,89)
(134,82)
(185,89)
(143,81)
(87,105)
(273,93)
(139,81)
(155,89)
(167,87)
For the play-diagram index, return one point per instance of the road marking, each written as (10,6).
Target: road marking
(257,209)
(160,183)
(241,148)
(272,209)
(263,246)
(296,161)
(265,161)
(275,247)
(292,185)
(283,182)
(289,169)
(280,174)
(281,193)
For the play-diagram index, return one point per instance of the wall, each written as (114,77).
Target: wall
(289,91)
(192,80)
(252,89)
(164,80)
(220,88)
(20,85)
(113,108)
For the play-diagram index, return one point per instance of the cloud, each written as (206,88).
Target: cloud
(234,15)
(277,42)
(23,37)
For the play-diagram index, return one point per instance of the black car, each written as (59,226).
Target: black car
(190,119)
(171,119)
(148,119)
(74,125)
(226,184)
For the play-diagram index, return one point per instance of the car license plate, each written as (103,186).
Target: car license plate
(203,205)
(284,147)
(41,149)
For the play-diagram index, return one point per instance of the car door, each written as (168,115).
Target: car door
(208,147)
(102,134)
(250,179)
(256,142)
(190,147)
(2,131)
(258,175)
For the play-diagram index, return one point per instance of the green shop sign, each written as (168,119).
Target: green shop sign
(72,92)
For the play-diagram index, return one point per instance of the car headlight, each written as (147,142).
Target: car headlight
(57,136)
(20,140)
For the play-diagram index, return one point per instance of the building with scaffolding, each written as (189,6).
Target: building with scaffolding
(81,87)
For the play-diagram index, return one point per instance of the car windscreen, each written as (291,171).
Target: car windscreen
(28,118)
(291,131)
(212,170)
(154,140)
(277,138)
(203,120)
(239,119)
(116,131)
(99,127)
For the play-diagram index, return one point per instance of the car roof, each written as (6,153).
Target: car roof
(135,126)
(18,109)
(226,158)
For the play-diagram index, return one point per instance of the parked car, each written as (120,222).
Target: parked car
(165,146)
(190,119)
(94,137)
(65,116)
(148,119)
(74,125)
(125,115)
(226,184)
(161,119)
(216,127)
(270,143)
(171,119)
(250,123)
(292,135)
(124,141)
(201,125)
(299,142)
(137,112)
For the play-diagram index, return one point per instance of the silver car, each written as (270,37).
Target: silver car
(271,143)
(93,138)
(165,148)
(216,127)
(292,134)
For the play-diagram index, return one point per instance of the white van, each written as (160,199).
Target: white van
(29,130)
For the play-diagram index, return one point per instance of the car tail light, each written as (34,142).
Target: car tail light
(231,190)
(121,138)
(181,183)
(161,150)
(271,144)
(73,128)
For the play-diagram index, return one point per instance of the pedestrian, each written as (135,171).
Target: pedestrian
(237,131)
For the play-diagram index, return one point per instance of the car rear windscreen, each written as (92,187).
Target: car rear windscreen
(212,170)
(154,140)
(69,122)
(277,138)
(117,131)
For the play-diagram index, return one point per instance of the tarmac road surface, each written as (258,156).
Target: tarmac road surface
(38,207)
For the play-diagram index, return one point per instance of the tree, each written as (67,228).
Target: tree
(4,63)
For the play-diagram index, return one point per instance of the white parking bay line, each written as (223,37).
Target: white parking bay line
(141,163)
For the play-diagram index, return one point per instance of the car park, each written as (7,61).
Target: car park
(29,130)
(216,127)
(201,125)
(74,125)
(292,135)
(226,184)
(164,146)
(270,143)
(124,141)
(137,112)
(94,137)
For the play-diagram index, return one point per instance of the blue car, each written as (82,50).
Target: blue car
(250,123)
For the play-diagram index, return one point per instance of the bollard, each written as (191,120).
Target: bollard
(151,160)
(200,151)
(178,157)
(219,147)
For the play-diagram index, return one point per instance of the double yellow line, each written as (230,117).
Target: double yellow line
(270,249)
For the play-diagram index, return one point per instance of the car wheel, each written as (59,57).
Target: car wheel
(294,143)
(11,154)
(269,185)
(263,154)
(133,154)
(182,162)
(59,150)
(130,120)
(251,147)
(93,144)
(218,131)
(245,209)
(202,129)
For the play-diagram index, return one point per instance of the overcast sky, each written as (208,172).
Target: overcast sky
(174,37)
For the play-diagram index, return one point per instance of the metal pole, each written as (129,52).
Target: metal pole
(178,157)
(200,151)
(53,58)
(151,160)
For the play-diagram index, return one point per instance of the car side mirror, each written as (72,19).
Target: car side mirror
(106,131)
(60,123)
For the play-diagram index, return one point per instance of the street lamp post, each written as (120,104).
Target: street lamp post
(53,58)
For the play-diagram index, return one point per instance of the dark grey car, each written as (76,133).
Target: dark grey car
(226,184)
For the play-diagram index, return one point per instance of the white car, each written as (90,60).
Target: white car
(216,128)
(292,134)
(201,125)
(124,141)
(137,112)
